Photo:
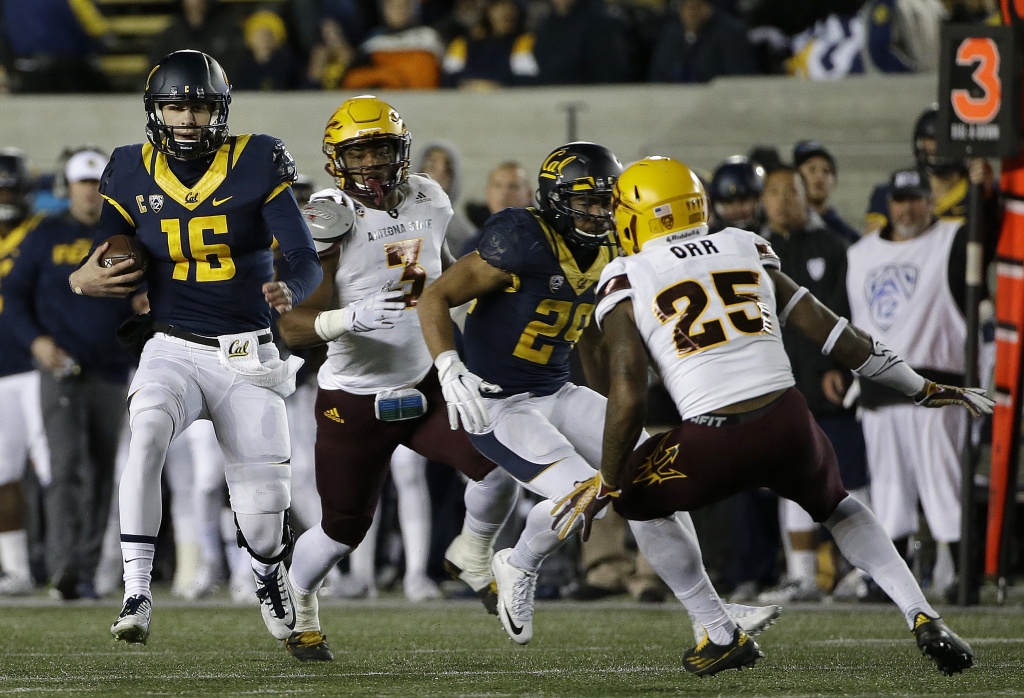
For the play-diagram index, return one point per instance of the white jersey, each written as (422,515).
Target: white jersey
(705,308)
(397,249)
(899,294)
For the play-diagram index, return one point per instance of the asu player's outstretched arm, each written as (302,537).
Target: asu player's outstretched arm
(866,357)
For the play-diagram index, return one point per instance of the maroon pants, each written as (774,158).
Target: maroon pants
(353,453)
(694,465)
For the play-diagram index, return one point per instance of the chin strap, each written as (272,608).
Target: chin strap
(288,535)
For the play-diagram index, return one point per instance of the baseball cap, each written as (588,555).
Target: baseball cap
(805,150)
(909,184)
(87,164)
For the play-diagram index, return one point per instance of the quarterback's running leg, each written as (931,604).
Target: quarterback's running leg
(163,399)
(14,451)
(252,428)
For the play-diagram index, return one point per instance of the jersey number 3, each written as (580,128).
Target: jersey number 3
(689,334)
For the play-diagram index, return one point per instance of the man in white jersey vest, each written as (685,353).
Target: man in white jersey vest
(380,235)
(906,287)
(704,307)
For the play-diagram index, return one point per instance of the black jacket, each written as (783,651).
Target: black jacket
(816,258)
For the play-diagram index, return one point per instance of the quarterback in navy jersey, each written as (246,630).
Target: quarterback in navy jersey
(533,277)
(206,206)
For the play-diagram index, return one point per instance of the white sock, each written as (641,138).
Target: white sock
(408,472)
(138,567)
(362,562)
(803,567)
(315,554)
(537,540)
(863,542)
(673,552)
(263,533)
(490,501)
(14,553)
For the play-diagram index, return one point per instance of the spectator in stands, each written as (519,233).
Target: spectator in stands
(498,53)
(400,54)
(699,43)
(507,187)
(579,43)
(330,58)
(269,64)
(84,374)
(53,45)
(818,168)
(203,25)
(463,18)
(440,160)
(306,18)
(814,256)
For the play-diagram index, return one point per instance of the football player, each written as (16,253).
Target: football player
(380,233)
(745,425)
(533,278)
(735,192)
(205,205)
(21,423)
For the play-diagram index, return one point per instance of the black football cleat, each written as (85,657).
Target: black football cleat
(309,646)
(707,658)
(947,649)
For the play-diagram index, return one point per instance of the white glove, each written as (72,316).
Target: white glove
(376,312)
(462,391)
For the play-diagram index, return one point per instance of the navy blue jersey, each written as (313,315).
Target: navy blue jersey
(14,358)
(39,301)
(521,338)
(209,241)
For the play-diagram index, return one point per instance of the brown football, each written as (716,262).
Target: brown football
(122,247)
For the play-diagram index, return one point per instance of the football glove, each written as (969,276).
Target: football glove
(938,395)
(462,391)
(587,500)
(376,312)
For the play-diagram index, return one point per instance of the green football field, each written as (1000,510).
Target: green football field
(452,648)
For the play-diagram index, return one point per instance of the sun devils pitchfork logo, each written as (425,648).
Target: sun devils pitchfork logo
(656,467)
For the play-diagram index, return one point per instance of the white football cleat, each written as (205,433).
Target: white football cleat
(276,602)
(132,625)
(753,620)
(419,588)
(516,590)
(469,561)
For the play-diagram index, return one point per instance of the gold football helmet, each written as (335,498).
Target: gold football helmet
(366,120)
(654,197)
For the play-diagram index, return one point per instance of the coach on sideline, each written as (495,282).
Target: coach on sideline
(84,374)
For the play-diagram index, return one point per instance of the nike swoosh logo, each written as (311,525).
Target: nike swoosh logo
(516,629)
(132,560)
(218,202)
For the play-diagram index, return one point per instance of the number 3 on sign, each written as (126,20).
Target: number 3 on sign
(983,54)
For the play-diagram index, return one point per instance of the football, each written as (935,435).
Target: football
(122,247)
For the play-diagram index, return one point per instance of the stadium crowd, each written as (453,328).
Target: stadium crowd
(60,46)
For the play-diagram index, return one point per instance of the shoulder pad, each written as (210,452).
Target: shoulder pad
(328,220)
(284,163)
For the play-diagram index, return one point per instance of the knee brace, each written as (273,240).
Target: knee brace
(287,537)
